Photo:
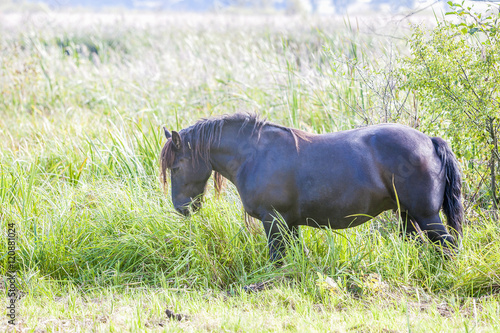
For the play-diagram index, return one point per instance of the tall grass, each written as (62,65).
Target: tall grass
(81,115)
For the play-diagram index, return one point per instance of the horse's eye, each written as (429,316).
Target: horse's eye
(175,169)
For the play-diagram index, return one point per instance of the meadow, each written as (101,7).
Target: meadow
(99,246)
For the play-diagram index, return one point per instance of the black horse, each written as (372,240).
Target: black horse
(337,180)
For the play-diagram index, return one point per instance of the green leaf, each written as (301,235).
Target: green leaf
(473,30)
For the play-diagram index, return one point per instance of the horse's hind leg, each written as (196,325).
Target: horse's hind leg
(436,231)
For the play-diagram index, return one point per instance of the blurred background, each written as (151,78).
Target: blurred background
(322,7)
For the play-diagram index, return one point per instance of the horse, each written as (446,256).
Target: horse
(289,178)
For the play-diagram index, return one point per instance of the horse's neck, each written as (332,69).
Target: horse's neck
(228,155)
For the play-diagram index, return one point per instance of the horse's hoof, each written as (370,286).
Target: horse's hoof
(175,316)
(255,287)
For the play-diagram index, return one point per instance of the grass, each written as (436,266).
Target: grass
(278,309)
(99,246)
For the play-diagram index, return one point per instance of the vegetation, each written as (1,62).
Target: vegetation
(454,72)
(99,246)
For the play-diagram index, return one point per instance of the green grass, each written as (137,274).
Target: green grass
(99,246)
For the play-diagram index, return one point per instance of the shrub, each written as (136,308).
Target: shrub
(453,71)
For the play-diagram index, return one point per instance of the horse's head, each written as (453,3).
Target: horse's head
(188,172)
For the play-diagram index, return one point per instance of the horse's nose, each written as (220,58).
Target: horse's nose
(189,207)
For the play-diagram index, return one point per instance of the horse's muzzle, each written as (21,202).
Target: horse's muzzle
(183,210)
(186,210)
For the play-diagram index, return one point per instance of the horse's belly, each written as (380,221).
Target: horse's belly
(335,221)
(340,210)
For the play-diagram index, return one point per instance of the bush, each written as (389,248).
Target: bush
(454,73)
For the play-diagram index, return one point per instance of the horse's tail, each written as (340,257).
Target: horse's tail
(452,203)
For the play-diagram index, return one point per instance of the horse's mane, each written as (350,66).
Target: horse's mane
(206,132)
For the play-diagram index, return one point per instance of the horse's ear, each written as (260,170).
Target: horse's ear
(168,135)
(176,140)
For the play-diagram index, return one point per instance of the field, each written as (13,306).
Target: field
(99,246)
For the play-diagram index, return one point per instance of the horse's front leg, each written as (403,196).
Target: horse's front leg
(277,233)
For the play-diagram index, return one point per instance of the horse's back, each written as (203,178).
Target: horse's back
(390,146)
(355,172)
